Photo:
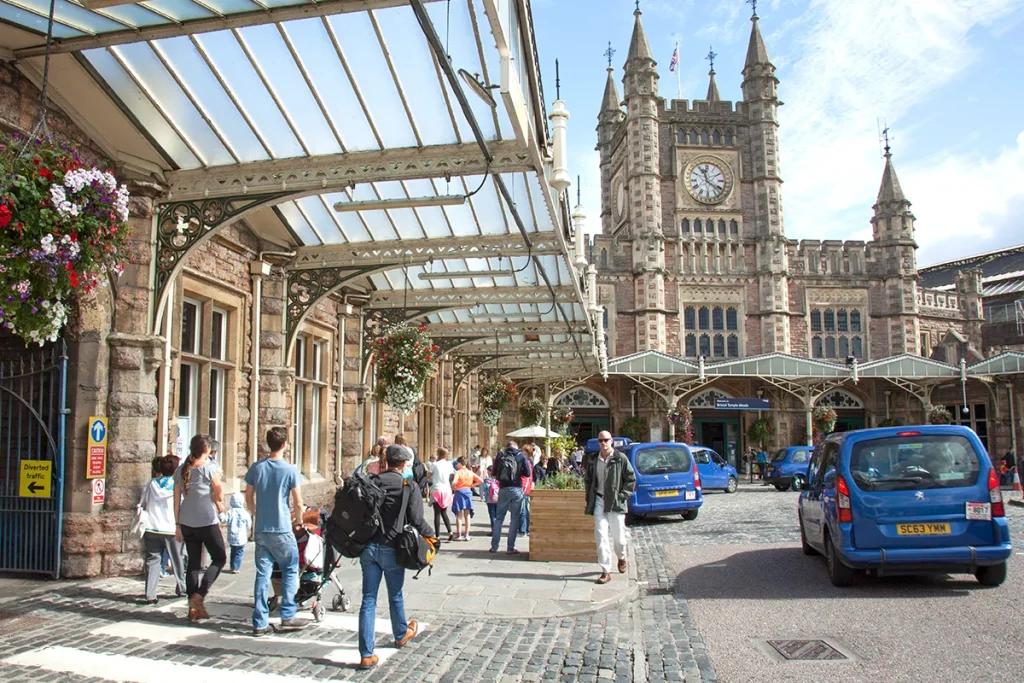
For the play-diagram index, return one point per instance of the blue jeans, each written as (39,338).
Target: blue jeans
(509,500)
(236,557)
(524,517)
(270,548)
(377,562)
(492,510)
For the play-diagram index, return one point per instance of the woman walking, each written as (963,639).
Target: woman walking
(158,502)
(198,500)
(462,502)
(440,476)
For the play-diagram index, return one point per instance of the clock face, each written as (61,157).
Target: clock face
(707,182)
(620,200)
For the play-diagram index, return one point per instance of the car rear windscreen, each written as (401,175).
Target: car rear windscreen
(663,460)
(917,462)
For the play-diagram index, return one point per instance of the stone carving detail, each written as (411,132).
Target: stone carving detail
(581,397)
(837,398)
(849,297)
(700,295)
(706,398)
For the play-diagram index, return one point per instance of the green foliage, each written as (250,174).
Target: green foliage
(563,481)
(563,445)
(636,429)
(761,431)
(938,415)
(403,358)
(531,410)
(892,422)
(495,394)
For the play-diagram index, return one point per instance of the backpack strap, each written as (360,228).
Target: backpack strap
(406,497)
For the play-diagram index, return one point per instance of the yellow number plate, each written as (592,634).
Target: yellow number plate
(926,529)
(665,494)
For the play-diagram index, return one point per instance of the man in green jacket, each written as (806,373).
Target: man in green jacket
(609,480)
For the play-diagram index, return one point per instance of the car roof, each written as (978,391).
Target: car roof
(889,432)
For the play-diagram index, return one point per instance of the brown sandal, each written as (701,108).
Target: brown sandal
(604,578)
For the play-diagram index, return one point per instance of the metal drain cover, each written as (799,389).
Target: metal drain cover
(806,650)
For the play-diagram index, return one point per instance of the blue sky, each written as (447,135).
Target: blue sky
(945,74)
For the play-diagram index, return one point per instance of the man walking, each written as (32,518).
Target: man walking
(271,483)
(509,469)
(379,559)
(609,480)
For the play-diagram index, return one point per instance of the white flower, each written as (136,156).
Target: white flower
(47,244)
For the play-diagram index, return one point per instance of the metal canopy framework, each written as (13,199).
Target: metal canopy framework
(338,129)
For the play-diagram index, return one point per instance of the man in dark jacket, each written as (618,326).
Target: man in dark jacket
(379,560)
(510,493)
(609,480)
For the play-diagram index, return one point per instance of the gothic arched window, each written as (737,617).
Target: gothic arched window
(830,320)
(718,137)
(719,349)
(830,347)
(730,319)
(691,345)
(697,225)
(844,347)
(816,321)
(721,226)
(816,349)
(717,318)
(705,137)
(690,318)
(681,137)
(734,227)
(705,345)
(734,346)
(686,225)
(604,258)
(855,322)
(702,318)
(694,138)
(841,325)
(858,348)
(728,136)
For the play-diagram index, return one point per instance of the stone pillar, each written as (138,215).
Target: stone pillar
(277,376)
(352,451)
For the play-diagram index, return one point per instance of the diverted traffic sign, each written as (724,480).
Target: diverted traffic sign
(96,463)
(36,476)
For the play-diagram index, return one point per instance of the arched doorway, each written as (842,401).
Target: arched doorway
(719,430)
(849,409)
(591,412)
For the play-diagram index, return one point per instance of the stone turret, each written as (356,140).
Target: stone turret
(609,121)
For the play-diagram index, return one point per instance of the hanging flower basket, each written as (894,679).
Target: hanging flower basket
(761,431)
(560,419)
(682,418)
(938,415)
(635,429)
(496,393)
(825,419)
(403,358)
(63,232)
(531,410)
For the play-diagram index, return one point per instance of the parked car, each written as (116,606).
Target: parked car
(668,481)
(905,500)
(619,443)
(715,472)
(788,467)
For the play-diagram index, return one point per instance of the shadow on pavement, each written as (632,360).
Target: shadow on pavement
(787,574)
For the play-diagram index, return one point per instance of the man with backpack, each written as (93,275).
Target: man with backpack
(509,468)
(379,560)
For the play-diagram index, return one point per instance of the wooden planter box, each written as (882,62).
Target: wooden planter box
(559,529)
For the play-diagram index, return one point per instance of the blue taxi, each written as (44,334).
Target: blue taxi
(668,481)
(905,500)
(789,468)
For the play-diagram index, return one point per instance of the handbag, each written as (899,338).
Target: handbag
(141,522)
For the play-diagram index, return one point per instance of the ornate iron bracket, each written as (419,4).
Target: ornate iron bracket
(181,225)
(464,366)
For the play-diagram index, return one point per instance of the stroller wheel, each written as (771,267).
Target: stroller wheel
(341,603)
(273,603)
(318,611)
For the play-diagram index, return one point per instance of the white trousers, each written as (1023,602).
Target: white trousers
(609,528)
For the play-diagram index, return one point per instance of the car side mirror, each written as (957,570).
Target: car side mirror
(830,479)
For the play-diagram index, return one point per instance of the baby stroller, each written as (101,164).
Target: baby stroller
(317,562)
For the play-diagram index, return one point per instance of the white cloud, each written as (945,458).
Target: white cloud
(864,60)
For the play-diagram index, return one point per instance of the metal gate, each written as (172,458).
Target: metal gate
(33,412)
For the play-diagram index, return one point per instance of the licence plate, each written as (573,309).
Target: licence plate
(923,529)
(691,495)
(665,494)
(979,511)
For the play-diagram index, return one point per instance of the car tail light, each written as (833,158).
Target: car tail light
(995,495)
(843,509)
(908,433)
(696,476)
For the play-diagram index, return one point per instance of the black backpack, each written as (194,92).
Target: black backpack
(355,519)
(411,550)
(506,469)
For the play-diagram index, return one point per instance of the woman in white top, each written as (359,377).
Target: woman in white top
(158,502)
(441,472)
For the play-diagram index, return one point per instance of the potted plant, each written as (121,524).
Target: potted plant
(635,428)
(761,431)
(560,419)
(560,529)
(682,418)
(825,419)
(63,232)
(938,415)
(531,410)
(496,393)
(403,358)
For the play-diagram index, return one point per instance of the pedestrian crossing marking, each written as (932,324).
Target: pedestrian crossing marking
(332,620)
(129,669)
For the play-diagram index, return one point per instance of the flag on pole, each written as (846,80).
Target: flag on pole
(674,64)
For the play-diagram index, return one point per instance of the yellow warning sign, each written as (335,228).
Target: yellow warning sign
(35,479)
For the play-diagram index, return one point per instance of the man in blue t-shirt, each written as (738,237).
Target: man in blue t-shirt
(271,482)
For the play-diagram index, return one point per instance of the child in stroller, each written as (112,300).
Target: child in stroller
(317,562)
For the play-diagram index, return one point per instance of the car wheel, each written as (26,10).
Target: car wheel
(838,573)
(993,575)
(690,515)
(804,545)
(782,487)
(731,488)
(798,482)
